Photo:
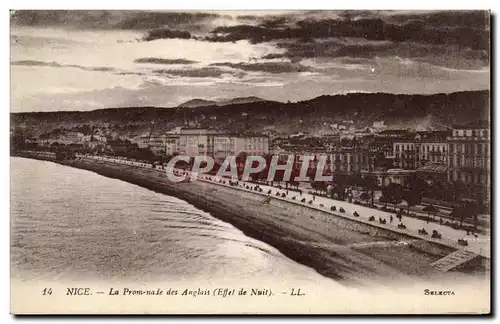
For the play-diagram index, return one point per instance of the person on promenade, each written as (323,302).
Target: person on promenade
(391,218)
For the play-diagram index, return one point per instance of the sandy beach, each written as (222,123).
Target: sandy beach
(310,238)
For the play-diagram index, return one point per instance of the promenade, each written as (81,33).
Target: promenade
(479,245)
(450,236)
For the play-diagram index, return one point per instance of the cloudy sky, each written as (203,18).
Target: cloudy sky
(85,60)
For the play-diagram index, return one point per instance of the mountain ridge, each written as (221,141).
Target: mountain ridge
(314,116)
(198,102)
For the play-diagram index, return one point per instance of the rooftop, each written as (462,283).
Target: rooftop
(433,168)
(478,124)
(393,131)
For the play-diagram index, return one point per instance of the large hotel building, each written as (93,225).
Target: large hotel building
(201,141)
(469,156)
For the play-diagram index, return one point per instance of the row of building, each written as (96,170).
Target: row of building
(201,141)
(462,153)
(70,138)
(459,154)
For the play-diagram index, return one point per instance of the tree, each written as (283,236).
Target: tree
(319,186)
(355,180)
(384,199)
(431,209)
(393,193)
(339,186)
(364,196)
(472,209)
(370,183)
(458,213)
(295,184)
(241,160)
(417,186)
(411,198)
(458,190)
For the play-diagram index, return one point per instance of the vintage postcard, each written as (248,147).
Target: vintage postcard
(257,162)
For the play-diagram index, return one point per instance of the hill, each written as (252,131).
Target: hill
(241,100)
(193,103)
(314,116)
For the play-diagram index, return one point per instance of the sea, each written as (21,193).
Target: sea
(72,224)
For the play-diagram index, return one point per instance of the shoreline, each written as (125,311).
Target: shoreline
(322,243)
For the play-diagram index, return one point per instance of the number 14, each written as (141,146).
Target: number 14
(47,291)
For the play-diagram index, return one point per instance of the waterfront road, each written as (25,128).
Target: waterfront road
(450,236)
(478,244)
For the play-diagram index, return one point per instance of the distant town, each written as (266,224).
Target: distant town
(445,167)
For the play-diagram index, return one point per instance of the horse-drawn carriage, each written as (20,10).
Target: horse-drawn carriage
(436,234)
(422,231)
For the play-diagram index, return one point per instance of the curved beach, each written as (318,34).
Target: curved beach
(344,253)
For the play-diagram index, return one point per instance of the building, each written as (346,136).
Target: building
(142,142)
(93,144)
(232,145)
(469,155)
(433,173)
(253,144)
(196,141)
(392,134)
(172,144)
(415,150)
(74,137)
(352,160)
(161,144)
(71,138)
(201,141)
(155,143)
(434,147)
(384,178)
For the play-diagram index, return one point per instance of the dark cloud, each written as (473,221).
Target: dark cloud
(109,19)
(57,65)
(248,17)
(166,33)
(155,60)
(454,31)
(451,18)
(463,28)
(205,72)
(150,20)
(275,22)
(271,67)
(61,18)
(131,73)
(445,55)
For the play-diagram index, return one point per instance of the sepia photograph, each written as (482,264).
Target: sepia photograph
(250,162)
